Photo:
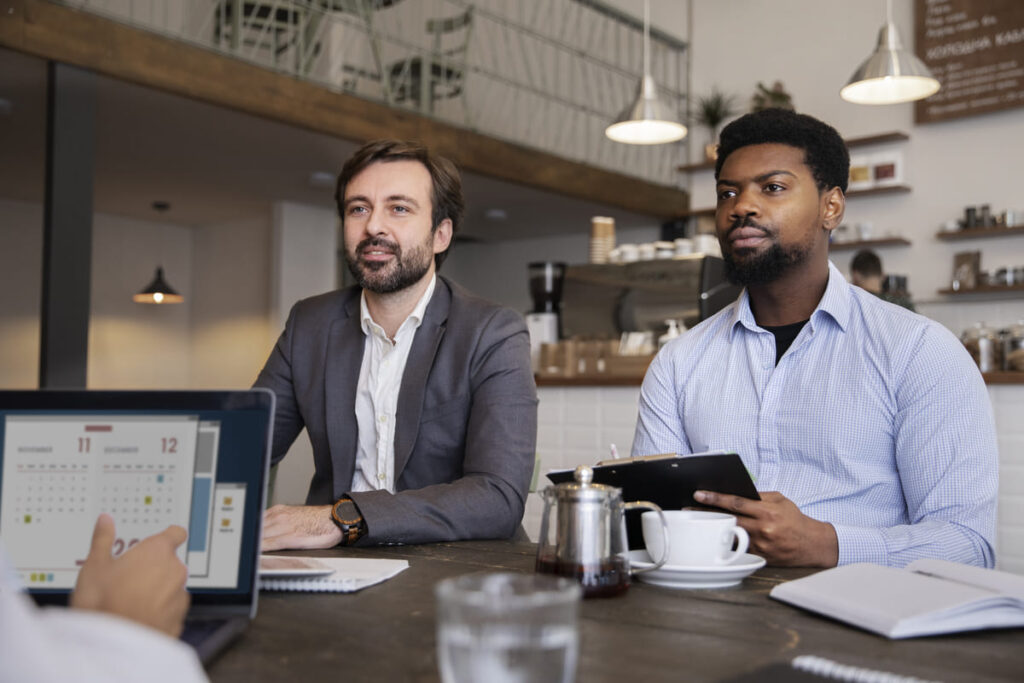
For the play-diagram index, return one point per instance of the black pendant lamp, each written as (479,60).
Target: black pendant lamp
(158,292)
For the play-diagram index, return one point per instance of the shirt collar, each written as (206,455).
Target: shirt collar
(835,303)
(368,324)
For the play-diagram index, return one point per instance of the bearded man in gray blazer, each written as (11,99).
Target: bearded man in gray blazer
(417,396)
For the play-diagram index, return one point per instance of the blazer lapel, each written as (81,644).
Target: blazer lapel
(417,370)
(344,359)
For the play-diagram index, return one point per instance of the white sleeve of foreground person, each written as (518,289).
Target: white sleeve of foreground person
(61,644)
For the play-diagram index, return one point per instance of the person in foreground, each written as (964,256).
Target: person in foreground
(125,616)
(418,397)
(866,427)
(866,273)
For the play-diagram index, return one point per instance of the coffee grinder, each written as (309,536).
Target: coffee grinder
(543,322)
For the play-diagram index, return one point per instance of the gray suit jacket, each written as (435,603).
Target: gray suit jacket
(466,427)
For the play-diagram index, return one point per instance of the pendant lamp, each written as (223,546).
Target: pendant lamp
(648,120)
(158,292)
(891,74)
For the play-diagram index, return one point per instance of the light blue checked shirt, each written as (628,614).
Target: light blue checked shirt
(875,420)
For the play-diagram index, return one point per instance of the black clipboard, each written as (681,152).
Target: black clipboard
(669,481)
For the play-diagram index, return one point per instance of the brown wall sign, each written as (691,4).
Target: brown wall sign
(976,50)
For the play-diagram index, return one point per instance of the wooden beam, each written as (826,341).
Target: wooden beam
(62,34)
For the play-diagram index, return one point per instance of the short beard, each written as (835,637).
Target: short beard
(764,268)
(387,278)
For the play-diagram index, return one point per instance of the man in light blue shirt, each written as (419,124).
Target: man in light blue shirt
(867,428)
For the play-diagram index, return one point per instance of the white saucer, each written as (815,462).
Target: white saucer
(695,577)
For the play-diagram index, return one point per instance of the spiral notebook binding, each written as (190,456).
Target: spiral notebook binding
(826,668)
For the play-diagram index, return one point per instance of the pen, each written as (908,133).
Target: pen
(615,452)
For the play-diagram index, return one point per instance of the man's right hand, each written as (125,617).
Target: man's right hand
(145,584)
(303,527)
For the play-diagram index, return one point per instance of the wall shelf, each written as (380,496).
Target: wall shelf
(1015,290)
(881,138)
(599,381)
(971,233)
(887,189)
(695,213)
(700,166)
(862,244)
(1005,377)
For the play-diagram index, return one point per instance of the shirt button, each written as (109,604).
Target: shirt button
(383,418)
(381,477)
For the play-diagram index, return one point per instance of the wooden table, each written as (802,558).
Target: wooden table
(386,633)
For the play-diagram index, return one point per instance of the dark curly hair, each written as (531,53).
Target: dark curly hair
(446,191)
(825,152)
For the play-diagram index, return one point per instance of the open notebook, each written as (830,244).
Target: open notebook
(927,598)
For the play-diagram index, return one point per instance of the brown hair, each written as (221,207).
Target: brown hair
(446,196)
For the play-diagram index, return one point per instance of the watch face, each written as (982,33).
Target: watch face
(346,511)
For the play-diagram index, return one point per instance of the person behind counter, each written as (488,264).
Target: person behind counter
(867,427)
(418,397)
(866,273)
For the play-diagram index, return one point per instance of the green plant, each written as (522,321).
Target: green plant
(714,108)
(774,98)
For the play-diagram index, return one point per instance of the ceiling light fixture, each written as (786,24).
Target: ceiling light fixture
(323,179)
(648,120)
(891,74)
(158,292)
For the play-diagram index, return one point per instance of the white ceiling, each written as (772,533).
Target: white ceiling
(215,165)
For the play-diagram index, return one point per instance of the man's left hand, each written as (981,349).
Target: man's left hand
(302,527)
(779,532)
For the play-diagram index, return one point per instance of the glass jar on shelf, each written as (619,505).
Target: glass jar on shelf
(982,342)
(1013,350)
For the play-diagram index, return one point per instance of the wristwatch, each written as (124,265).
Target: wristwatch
(346,515)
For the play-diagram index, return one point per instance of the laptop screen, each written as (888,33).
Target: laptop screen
(147,458)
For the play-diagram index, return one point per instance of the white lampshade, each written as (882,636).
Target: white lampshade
(648,121)
(891,74)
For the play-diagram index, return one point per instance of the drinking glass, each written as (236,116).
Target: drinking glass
(507,628)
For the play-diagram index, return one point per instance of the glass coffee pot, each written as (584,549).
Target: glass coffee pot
(589,528)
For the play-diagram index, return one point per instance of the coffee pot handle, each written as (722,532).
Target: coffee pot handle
(647,505)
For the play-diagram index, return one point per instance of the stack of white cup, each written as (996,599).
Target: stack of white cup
(602,238)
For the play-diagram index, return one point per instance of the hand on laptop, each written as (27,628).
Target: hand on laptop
(145,584)
(779,532)
(303,527)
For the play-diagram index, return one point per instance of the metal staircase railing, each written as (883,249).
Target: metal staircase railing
(548,74)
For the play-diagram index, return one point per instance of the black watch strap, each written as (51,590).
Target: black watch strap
(348,518)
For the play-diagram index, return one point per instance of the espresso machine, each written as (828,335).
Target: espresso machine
(544,321)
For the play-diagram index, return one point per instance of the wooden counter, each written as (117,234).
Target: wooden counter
(599,381)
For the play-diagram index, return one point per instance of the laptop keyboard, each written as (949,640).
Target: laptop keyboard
(198,630)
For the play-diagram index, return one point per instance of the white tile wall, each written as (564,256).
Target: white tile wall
(1008,406)
(577,425)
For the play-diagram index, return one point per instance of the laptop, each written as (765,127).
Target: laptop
(199,459)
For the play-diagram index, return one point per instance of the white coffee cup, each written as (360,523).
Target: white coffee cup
(696,538)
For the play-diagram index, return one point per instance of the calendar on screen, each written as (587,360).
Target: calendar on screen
(147,471)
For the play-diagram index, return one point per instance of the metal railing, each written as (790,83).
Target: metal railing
(547,74)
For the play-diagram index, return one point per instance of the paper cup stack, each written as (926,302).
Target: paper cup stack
(602,238)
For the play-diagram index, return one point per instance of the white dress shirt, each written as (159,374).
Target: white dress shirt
(380,379)
(57,645)
(875,420)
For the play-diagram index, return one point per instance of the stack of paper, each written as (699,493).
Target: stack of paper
(347,575)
